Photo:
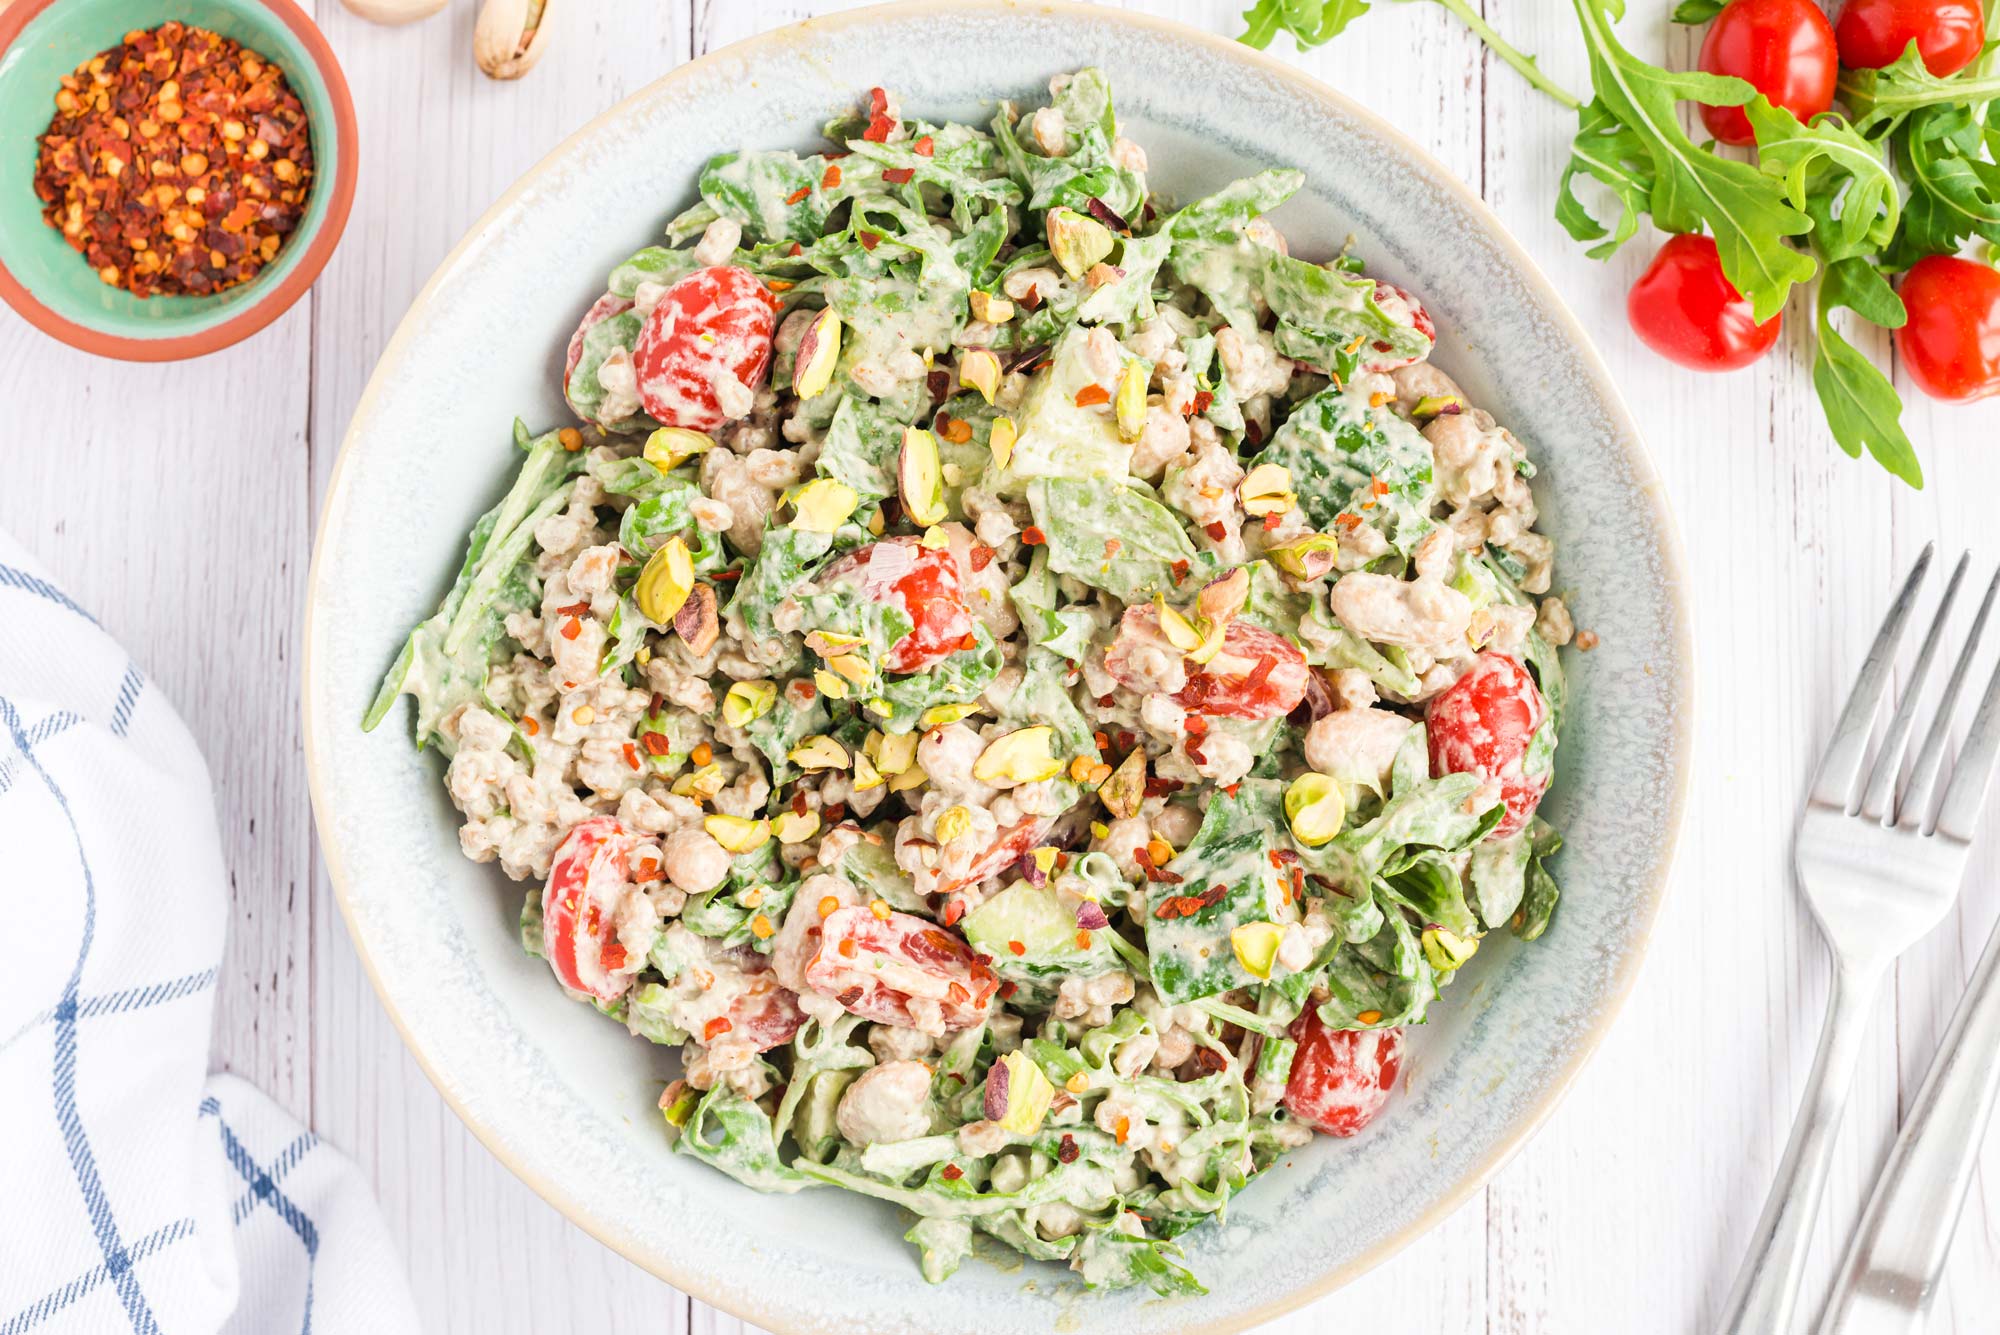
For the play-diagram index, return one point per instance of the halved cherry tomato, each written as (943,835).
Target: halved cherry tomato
(1951,344)
(1397,301)
(1482,724)
(1685,308)
(704,350)
(1341,1077)
(901,969)
(1009,846)
(1783,48)
(1875,33)
(923,583)
(588,881)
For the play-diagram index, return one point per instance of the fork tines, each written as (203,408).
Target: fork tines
(1840,779)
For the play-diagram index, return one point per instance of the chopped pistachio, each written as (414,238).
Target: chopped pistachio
(671,446)
(1020,756)
(666,582)
(748,701)
(823,505)
(1256,946)
(1315,808)
(819,752)
(1448,950)
(979,369)
(736,834)
(920,477)
(819,353)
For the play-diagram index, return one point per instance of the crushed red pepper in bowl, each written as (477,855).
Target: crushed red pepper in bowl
(177,163)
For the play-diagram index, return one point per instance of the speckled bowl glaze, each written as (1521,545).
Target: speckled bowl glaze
(567,1100)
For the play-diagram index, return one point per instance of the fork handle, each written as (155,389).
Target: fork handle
(1767,1287)
(1891,1270)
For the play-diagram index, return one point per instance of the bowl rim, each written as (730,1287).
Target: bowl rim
(746,1305)
(267,307)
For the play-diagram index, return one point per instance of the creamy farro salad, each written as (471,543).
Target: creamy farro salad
(1028,684)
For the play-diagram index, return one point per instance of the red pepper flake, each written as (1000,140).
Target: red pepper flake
(572,628)
(647,873)
(1298,881)
(969,642)
(846,948)
(613,954)
(951,1172)
(1111,546)
(850,995)
(1213,896)
(955,993)
(177,162)
(1090,395)
(899,175)
(805,689)
(1033,537)
(1216,530)
(1195,753)
(1083,940)
(1231,788)
(879,129)
(1196,725)
(1271,522)
(1253,433)
(1209,1060)
(803,191)
(1103,741)
(830,177)
(835,812)
(796,249)
(656,743)
(878,102)
(726,576)
(1008,989)
(1032,299)
(716,1028)
(656,704)
(869,240)
(1067,1150)
(1347,521)
(1017,948)
(1276,861)
(982,556)
(632,754)
(924,147)
(1377,485)
(954,909)
(1203,400)
(575,609)
(529,726)
(1180,571)
(1158,787)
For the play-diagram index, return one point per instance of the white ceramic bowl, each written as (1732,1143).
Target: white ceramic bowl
(567,1100)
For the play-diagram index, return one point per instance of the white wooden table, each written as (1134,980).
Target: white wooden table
(179,501)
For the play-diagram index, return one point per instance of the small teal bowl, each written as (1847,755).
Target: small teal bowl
(52,285)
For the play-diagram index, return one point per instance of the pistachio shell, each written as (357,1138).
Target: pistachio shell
(1021,756)
(665,583)
(509,37)
(1223,597)
(671,446)
(748,701)
(920,477)
(819,353)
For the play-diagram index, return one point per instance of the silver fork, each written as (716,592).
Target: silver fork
(1879,873)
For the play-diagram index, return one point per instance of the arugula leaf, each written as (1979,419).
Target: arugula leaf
(1953,193)
(1825,164)
(1885,97)
(1861,406)
(1114,536)
(1745,209)
(1310,22)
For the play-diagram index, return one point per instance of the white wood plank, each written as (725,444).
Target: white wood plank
(440,142)
(171,501)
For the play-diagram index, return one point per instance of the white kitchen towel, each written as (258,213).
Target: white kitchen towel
(138,1192)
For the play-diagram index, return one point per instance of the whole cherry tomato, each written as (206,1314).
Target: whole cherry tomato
(900,969)
(1399,303)
(923,583)
(704,350)
(1482,724)
(1341,1077)
(1685,308)
(1951,344)
(1875,33)
(1783,48)
(588,881)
